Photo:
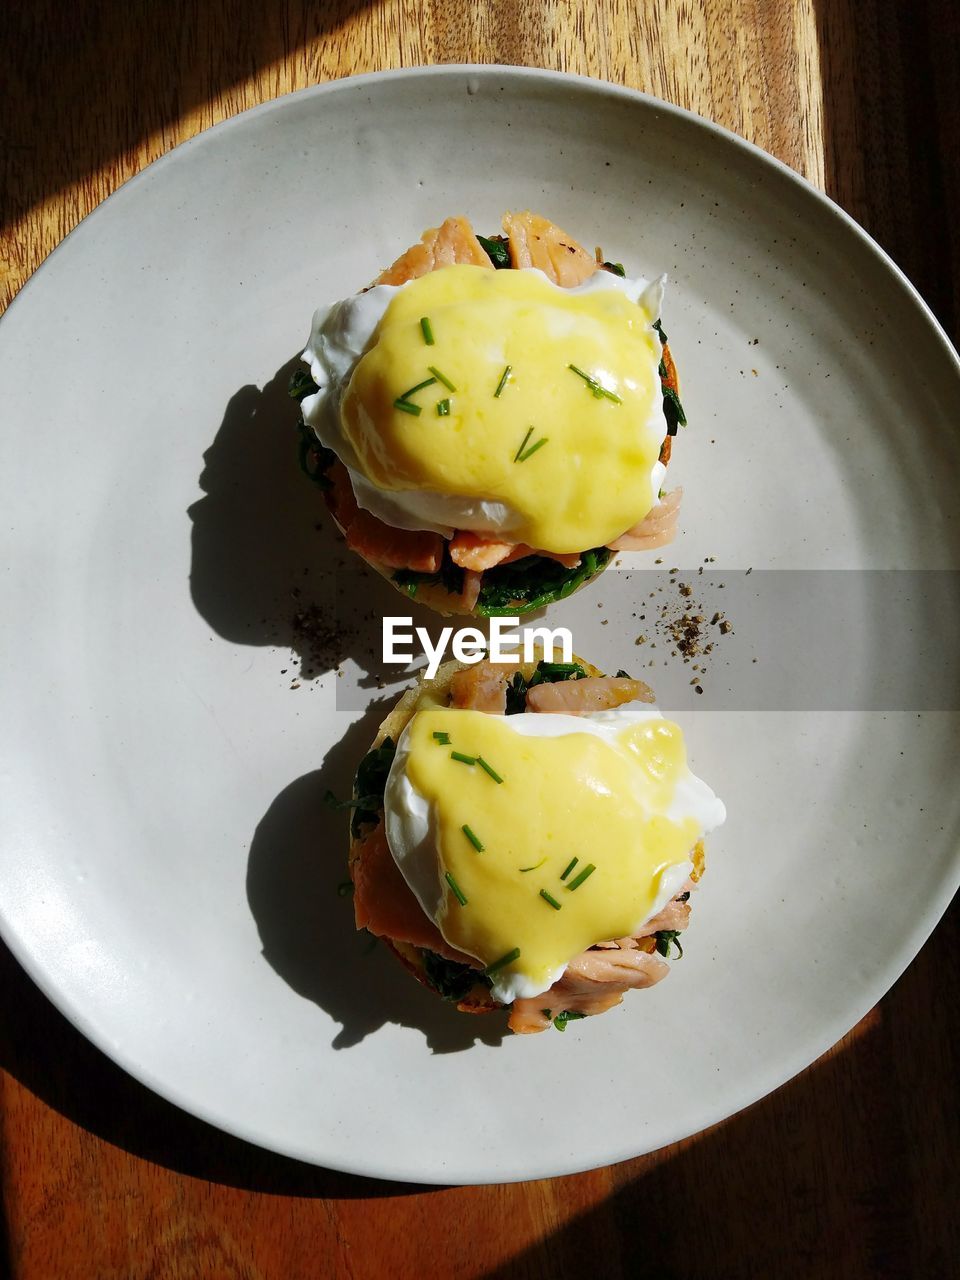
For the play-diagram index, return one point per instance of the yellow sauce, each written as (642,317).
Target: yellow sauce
(590,481)
(574,796)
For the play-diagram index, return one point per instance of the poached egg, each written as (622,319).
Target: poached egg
(529,838)
(495,402)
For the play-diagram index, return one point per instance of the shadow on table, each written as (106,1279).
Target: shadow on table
(847,1171)
(45,1052)
(891,123)
(86,85)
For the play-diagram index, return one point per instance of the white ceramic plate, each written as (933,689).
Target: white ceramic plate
(168,870)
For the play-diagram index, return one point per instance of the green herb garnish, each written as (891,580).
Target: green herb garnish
(448,978)
(673,411)
(427,330)
(524,870)
(545,673)
(455,888)
(547,897)
(578,880)
(442,738)
(664,939)
(449,576)
(443,408)
(517,588)
(597,389)
(441,378)
(522,457)
(568,1015)
(615,268)
(427,382)
(504,379)
(315,459)
(368,786)
(535,581)
(357,802)
(472,837)
(569,867)
(503,961)
(301,385)
(458,755)
(406,407)
(488,769)
(497,250)
(523,444)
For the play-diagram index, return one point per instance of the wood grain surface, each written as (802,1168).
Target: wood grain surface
(850,1170)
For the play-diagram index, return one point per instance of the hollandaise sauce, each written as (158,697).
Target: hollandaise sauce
(501,385)
(549,842)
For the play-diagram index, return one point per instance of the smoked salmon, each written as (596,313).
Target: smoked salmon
(656,529)
(536,242)
(480,687)
(592,983)
(581,697)
(479,551)
(372,538)
(452,242)
(384,904)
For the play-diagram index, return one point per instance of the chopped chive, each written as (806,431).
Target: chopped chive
(472,837)
(588,378)
(427,330)
(577,881)
(440,378)
(458,755)
(406,407)
(504,379)
(523,444)
(503,961)
(533,449)
(442,738)
(570,866)
(427,382)
(487,769)
(547,897)
(443,408)
(457,891)
(533,868)
(595,386)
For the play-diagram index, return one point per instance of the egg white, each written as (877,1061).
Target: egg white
(340,335)
(411,825)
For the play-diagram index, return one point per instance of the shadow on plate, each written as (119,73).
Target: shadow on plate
(268,567)
(297,865)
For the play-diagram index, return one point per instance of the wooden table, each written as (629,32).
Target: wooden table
(851,1169)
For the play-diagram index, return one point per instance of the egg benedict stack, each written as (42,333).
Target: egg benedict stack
(487,438)
(529,838)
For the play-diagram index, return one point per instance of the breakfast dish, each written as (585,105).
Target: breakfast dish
(492,419)
(529,838)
